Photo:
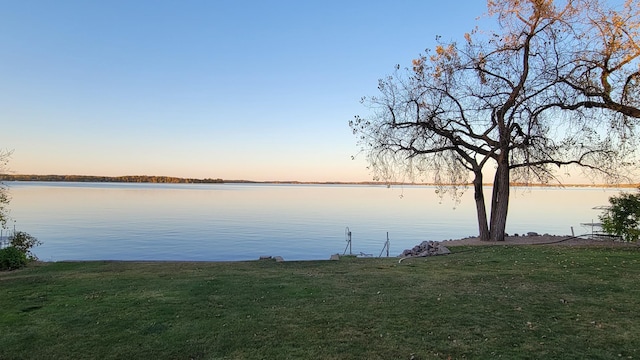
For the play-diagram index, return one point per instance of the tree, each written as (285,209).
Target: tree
(557,85)
(20,242)
(4,192)
(622,218)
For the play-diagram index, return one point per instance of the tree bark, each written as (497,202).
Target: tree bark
(500,199)
(481,209)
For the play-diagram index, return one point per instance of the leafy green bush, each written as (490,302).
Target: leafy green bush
(12,258)
(622,218)
(24,242)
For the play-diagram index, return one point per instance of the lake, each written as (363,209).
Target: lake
(224,222)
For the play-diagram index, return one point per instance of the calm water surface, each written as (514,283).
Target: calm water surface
(219,222)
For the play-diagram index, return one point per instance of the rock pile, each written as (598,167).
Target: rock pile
(426,248)
(268,257)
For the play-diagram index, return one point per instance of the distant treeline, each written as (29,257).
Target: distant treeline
(120,179)
(177,180)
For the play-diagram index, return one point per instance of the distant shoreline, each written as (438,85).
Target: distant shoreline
(179,180)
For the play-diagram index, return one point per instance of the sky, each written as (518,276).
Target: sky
(231,89)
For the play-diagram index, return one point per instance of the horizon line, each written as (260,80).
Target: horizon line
(187,180)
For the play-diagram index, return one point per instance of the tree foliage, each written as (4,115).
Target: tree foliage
(557,85)
(11,259)
(622,218)
(24,242)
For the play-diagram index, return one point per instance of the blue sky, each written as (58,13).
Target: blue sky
(258,90)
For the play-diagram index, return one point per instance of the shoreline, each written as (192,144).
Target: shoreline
(542,240)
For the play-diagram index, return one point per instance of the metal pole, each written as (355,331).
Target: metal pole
(388,244)
(348,239)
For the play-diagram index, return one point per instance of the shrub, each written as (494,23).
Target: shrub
(12,258)
(622,218)
(24,242)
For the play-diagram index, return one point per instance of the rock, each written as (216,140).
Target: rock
(335,257)
(279,259)
(442,250)
(426,248)
(265,257)
(532,233)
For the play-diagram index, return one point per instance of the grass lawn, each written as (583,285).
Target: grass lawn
(520,302)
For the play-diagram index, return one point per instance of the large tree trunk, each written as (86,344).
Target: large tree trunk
(480,206)
(500,199)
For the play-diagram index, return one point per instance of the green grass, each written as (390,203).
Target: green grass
(481,302)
